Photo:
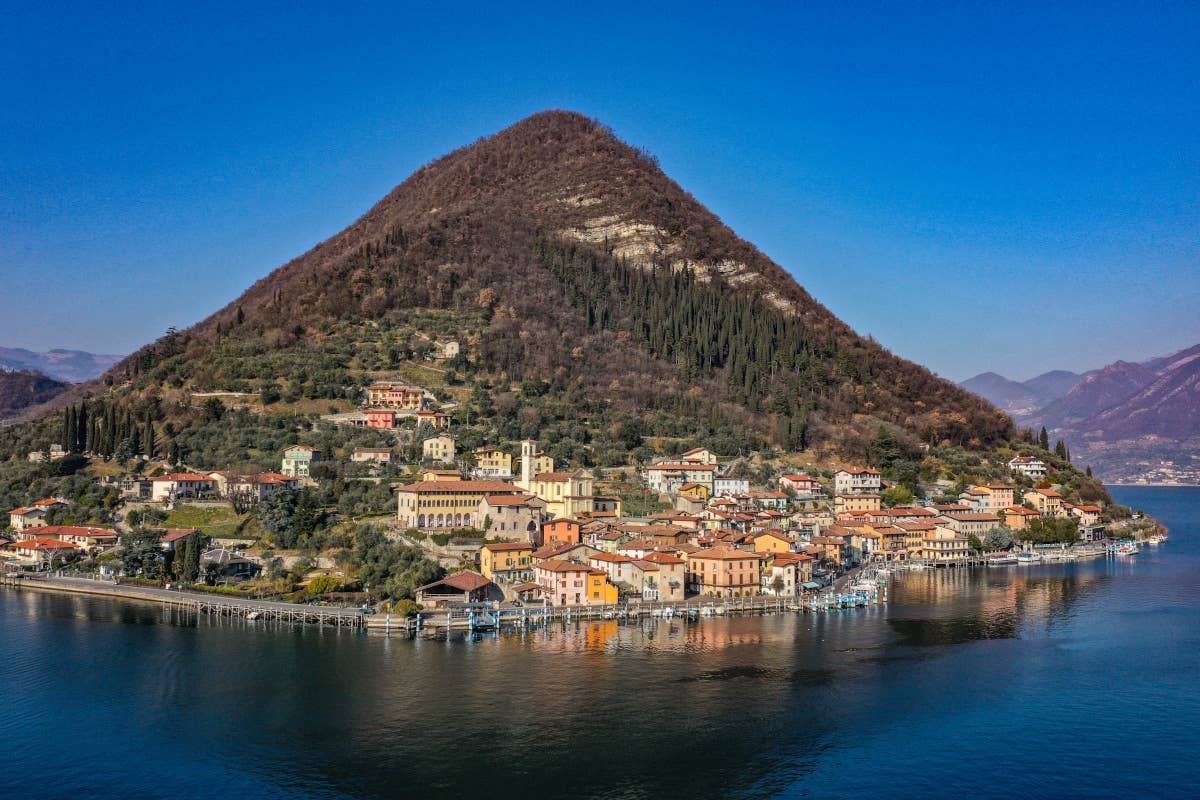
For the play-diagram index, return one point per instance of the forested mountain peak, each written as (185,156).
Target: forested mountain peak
(558,255)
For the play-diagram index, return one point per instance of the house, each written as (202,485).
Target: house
(228,566)
(616,566)
(528,592)
(724,572)
(435,419)
(970,524)
(447,349)
(775,501)
(566,583)
(55,452)
(856,481)
(438,505)
(493,463)
(85,538)
(847,503)
(378,455)
(298,460)
(800,484)
(606,506)
(1087,515)
(669,478)
(831,548)
(512,516)
(564,551)
(664,535)
(772,541)
(507,562)
(391,395)
(170,539)
(730,486)
(945,544)
(671,581)
(256,488)
(461,587)
(43,553)
(180,484)
(698,455)
(438,449)
(22,519)
(695,491)
(779,578)
(381,418)
(1017,517)
(1046,502)
(563,530)
(1028,466)
(441,475)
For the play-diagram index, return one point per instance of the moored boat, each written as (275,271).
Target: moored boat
(1028,558)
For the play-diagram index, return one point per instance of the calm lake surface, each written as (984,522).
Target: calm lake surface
(1077,680)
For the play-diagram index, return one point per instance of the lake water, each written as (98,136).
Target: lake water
(1077,680)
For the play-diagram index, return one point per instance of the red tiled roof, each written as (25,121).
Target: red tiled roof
(468,487)
(507,547)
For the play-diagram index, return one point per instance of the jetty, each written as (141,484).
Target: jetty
(203,604)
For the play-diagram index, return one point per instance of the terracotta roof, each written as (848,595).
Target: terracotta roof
(658,557)
(527,587)
(183,477)
(555,476)
(42,544)
(972,517)
(558,565)
(507,547)
(49,501)
(465,581)
(683,467)
(175,534)
(612,558)
(467,487)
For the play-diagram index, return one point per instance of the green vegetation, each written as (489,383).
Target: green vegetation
(218,522)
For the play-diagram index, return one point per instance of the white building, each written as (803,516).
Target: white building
(1029,466)
(856,481)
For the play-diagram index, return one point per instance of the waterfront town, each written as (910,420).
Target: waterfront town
(505,524)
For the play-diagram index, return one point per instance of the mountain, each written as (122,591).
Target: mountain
(1050,386)
(1025,398)
(596,301)
(1097,391)
(20,389)
(1015,398)
(1129,421)
(72,366)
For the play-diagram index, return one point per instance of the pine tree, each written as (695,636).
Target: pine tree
(1044,439)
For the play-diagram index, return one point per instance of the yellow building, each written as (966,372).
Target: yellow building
(695,491)
(567,494)
(772,542)
(845,503)
(507,562)
(1046,502)
(492,462)
(600,590)
(439,505)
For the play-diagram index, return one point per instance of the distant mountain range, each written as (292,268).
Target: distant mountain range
(71,366)
(1130,421)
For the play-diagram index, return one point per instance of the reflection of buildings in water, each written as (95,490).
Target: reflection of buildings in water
(975,603)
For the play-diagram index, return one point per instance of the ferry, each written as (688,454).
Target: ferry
(1126,549)
(1028,558)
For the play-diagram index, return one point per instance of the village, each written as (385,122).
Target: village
(510,526)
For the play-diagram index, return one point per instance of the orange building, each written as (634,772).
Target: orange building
(723,572)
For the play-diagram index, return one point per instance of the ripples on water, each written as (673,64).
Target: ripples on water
(1046,681)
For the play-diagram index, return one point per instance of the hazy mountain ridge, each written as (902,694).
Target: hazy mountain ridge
(71,366)
(1128,420)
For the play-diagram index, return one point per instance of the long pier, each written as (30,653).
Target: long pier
(215,605)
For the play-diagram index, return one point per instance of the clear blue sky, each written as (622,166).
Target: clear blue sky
(979,186)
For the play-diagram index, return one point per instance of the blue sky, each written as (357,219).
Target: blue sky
(979,186)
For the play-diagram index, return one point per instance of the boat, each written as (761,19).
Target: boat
(1028,558)
(1002,560)
(1127,549)
(1156,539)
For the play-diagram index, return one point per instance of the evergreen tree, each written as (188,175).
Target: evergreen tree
(1044,439)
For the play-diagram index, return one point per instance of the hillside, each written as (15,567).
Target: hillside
(21,389)
(69,366)
(586,287)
